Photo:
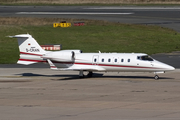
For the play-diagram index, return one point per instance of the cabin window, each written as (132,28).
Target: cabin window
(95,60)
(109,60)
(145,58)
(115,60)
(122,60)
(102,60)
(128,60)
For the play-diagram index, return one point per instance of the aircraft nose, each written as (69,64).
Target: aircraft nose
(171,68)
(168,67)
(165,67)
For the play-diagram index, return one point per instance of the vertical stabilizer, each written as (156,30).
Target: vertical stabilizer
(30,50)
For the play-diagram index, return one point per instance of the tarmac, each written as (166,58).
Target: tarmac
(43,94)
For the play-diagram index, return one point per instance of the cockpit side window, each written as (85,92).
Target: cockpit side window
(145,58)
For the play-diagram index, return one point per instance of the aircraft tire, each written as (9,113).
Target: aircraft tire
(81,76)
(90,74)
(156,77)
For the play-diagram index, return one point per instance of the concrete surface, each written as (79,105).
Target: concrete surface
(43,94)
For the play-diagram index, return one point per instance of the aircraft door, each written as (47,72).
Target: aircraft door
(95,60)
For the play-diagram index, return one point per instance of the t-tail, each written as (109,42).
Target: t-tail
(30,50)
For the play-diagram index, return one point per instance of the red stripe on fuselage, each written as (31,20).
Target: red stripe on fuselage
(126,66)
(30,54)
(108,65)
(53,67)
(32,60)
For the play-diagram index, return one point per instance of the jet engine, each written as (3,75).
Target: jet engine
(62,56)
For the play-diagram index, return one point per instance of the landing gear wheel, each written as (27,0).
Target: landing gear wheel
(90,74)
(81,76)
(156,77)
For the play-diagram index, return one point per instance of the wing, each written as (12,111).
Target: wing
(77,68)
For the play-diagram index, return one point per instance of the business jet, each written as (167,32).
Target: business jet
(31,52)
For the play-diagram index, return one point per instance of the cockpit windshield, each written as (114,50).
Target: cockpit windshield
(145,58)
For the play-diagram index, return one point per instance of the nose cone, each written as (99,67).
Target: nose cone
(164,67)
(169,68)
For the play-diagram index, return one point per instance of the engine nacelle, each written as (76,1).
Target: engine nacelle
(62,56)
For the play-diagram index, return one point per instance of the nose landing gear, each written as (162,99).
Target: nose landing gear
(156,77)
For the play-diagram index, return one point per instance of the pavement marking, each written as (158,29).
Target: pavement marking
(74,13)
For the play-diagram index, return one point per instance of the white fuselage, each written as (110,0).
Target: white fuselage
(113,62)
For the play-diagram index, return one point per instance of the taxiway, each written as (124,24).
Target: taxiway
(43,94)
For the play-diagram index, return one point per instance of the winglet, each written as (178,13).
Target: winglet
(52,66)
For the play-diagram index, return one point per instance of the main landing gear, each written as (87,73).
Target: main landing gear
(90,74)
(81,75)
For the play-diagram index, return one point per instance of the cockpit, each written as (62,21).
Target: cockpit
(145,58)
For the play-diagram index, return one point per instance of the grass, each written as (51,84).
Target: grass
(94,36)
